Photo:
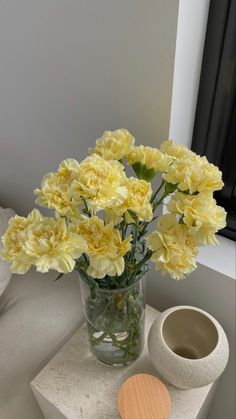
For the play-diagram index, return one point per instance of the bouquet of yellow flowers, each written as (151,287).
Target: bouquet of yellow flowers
(102,216)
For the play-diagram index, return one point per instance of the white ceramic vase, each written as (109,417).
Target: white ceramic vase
(188,347)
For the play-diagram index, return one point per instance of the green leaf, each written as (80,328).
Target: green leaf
(133,215)
(142,172)
(170,188)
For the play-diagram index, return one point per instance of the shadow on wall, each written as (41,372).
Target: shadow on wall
(71,69)
(215,293)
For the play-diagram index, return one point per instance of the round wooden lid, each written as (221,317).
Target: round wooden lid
(143,396)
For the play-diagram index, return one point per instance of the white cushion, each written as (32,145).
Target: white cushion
(37,315)
(5,273)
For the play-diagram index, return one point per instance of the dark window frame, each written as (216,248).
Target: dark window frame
(214,133)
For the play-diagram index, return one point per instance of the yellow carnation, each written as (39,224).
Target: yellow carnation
(176,151)
(55,190)
(14,241)
(105,247)
(52,246)
(174,248)
(147,161)
(114,145)
(67,171)
(194,174)
(100,182)
(201,214)
(43,242)
(138,201)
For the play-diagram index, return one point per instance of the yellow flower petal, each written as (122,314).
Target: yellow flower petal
(149,157)
(55,190)
(100,182)
(194,174)
(176,151)
(105,247)
(201,214)
(137,200)
(113,145)
(43,242)
(174,248)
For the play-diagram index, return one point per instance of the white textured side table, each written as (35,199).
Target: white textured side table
(75,385)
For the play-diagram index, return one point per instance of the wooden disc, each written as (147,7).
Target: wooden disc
(143,396)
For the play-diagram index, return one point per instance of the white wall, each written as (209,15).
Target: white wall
(191,30)
(71,69)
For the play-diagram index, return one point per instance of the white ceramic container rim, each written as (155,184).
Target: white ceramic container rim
(168,312)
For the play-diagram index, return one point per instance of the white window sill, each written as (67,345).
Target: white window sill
(221,258)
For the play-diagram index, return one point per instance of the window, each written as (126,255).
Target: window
(215,120)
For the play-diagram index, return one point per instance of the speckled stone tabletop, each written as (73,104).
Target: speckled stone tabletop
(75,385)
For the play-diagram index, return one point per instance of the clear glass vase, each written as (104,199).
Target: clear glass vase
(115,322)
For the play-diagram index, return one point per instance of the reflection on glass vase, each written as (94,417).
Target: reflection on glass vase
(115,322)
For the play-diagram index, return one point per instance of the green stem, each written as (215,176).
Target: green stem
(110,303)
(122,229)
(123,345)
(134,234)
(145,259)
(86,209)
(157,191)
(100,339)
(157,203)
(115,320)
(88,279)
(141,263)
